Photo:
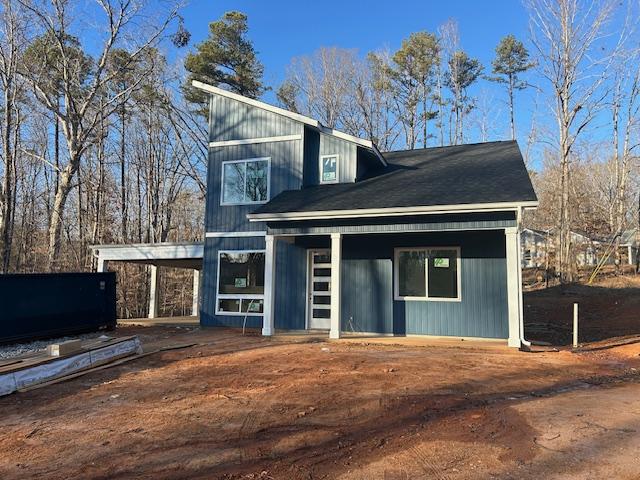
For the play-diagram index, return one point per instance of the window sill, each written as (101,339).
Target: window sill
(427,299)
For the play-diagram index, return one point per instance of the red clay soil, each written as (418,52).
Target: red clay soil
(237,407)
(608,308)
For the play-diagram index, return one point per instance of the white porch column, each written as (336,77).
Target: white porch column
(103,265)
(196,293)
(514,285)
(630,254)
(336,272)
(153,292)
(269,285)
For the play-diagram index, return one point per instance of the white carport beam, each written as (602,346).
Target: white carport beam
(196,293)
(336,272)
(269,285)
(153,292)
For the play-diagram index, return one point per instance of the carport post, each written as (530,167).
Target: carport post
(336,268)
(153,292)
(269,285)
(103,265)
(196,293)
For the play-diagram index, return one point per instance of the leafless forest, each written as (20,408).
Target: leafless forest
(103,141)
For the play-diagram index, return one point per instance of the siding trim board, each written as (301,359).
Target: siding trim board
(251,141)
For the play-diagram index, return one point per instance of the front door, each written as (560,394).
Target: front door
(319,290)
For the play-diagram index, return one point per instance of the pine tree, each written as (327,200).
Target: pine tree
(512,59)
(226,58)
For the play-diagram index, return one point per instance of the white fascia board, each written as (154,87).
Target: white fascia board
(388,212)
(252,141)
(149,252)
(256,103)
(234,234)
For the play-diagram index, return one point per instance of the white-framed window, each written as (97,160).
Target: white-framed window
(329,169)
(427,273)
(245,182)
(240,288)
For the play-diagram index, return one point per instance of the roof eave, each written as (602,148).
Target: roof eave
(391,212)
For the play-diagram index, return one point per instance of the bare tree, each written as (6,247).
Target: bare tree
(566,34)
(79,89)
(12,29)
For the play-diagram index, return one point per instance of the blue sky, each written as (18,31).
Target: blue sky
(283,29)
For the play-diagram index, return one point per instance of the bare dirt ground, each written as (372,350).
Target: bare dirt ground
(238,407)
(608,308)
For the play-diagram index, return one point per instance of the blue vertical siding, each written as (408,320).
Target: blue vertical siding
(367,292)
(482,312)
(291,286)
(233,120)
(346,151)
(286,174)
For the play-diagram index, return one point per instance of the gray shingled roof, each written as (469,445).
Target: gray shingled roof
(462,174)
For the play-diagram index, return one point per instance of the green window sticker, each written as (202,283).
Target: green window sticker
(241,282)
(440,262)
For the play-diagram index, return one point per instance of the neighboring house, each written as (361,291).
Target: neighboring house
(534,245)
(308,228)
(629,246)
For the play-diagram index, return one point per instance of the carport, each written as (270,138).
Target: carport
(156,255)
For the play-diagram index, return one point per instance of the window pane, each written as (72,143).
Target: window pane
(321,313)
(322,300)
(241,273)
(253,305)
(257,181)
(320,286)
(411,273)
(228,305)
(329,169)
(322,257)
(443,274)
(234,179)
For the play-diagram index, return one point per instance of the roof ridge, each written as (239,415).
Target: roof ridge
(449,146)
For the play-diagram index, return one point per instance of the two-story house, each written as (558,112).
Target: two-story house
(308,228)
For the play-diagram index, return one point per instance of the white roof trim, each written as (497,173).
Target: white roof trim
(292,115)
(390,212)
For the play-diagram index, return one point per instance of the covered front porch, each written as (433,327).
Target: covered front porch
(442,276)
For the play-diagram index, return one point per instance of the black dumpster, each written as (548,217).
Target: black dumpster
(44,305)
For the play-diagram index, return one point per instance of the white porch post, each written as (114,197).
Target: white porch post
(336,271)
(514,285)
(196,293)
(153,292)
(269,285)
(630,254)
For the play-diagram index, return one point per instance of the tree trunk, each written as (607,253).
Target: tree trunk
(6,191)
(59,204)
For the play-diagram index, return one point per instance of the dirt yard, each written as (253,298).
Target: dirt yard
(608,308)
(236,407)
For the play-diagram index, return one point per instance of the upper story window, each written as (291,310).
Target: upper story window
(245,181)
(329,169)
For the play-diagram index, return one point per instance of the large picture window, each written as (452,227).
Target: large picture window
(245,181)
(329,169)
(427,273)
(240,282)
